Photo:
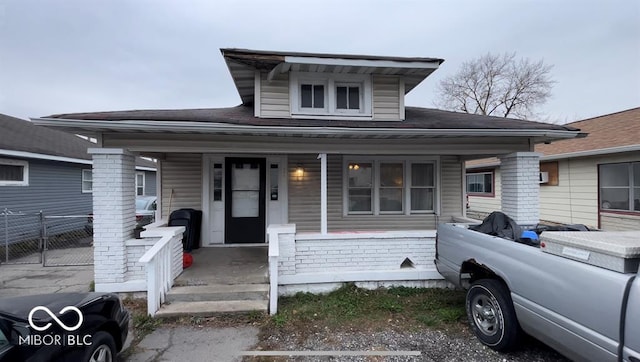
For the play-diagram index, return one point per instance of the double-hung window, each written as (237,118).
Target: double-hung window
(388,186)
(14,173)
(480,183)
(140,183)
(326,95)
(312,96)
(87,181)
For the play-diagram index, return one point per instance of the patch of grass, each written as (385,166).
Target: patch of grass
(354,308)
(144,324)
(92,286)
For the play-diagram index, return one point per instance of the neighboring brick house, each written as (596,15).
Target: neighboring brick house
(323,156)
(593,181)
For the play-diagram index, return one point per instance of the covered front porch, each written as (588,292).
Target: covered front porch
(328,219)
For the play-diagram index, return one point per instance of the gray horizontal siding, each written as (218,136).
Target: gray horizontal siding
(182,174)
(451,186)
(55,188)
(386,98)
(274,97)
(304,202)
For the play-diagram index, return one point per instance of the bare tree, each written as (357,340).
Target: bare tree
(497,85)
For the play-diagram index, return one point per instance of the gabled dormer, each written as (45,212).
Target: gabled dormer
(326,86)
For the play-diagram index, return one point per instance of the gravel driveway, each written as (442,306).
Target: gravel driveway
(434,345)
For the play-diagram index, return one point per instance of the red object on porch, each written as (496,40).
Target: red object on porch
(187,260)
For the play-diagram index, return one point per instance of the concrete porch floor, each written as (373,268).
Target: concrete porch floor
(221,280)
(227,265)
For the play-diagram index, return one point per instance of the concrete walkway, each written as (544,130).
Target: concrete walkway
(195,344)
(28,279)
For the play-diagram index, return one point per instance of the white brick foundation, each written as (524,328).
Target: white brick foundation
(520,187)
(113,213)
(323,262)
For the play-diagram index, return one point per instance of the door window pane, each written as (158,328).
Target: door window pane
(245,190)
(217,182)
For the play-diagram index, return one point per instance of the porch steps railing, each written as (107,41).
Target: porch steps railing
(207,300)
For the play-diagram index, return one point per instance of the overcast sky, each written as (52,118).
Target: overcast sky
(81,55)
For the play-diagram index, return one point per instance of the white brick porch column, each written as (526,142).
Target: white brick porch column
(114,214)
(521,187)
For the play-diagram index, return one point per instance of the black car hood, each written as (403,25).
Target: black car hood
(20,307)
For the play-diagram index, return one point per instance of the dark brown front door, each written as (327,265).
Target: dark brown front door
(245,200)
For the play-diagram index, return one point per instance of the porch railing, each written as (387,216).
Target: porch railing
(159,267)
(278,234)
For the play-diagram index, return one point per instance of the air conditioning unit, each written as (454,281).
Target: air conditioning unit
(544,177)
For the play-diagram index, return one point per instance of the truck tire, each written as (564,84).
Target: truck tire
(491,314)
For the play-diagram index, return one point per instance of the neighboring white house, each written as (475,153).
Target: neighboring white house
(593,181)
(322,156)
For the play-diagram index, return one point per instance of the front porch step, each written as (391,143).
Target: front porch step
(211,308)
(218,292)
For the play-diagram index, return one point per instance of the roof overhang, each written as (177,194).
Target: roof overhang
(244,63)
(193,127)
(563,156)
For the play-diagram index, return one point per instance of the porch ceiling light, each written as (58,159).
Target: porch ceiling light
(299,173)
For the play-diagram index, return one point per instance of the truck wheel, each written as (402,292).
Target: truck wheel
(491,314)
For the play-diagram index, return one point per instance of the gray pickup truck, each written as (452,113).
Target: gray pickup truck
(583,311)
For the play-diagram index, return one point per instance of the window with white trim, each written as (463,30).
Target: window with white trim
(619,185)
(140,183)
(389,186)
(423,187)
(480,183)
(14,172)
(320,94)
(87,181)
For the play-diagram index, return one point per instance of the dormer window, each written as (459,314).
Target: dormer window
(312,96)
(320,95)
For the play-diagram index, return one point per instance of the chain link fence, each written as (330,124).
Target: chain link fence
(52,240)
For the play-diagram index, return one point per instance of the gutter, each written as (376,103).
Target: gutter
(562,156)
(205,127)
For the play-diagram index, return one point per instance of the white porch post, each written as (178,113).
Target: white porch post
(323,193)
(521,187)
(113,214)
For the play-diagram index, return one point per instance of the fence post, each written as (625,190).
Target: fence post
(43,239)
